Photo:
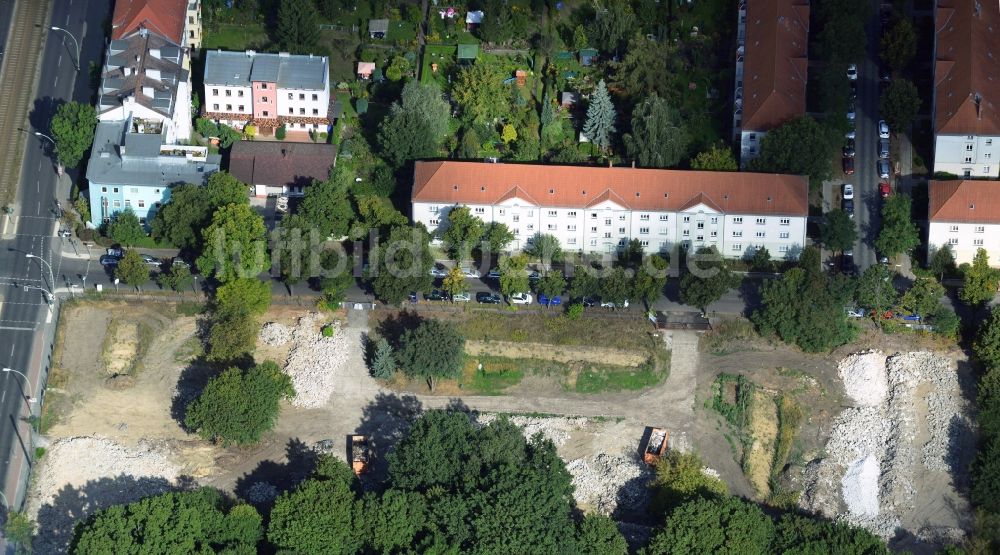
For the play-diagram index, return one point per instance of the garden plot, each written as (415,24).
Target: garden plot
(892,458)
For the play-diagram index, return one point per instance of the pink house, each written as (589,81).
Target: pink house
(264,100)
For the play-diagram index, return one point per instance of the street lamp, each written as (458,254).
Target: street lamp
(44,136)
(27,383)
(77,62)
(52,279)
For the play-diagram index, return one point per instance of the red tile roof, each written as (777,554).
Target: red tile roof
(970,201)
(163,17)
(774,66)
(277,164)
(967,67)
(636,188)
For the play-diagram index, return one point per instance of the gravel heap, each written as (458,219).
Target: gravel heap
(314,361)
(860,487)
(611,482)
(275,334)
(556,430)
(947,417)
(81,475)
(865,377)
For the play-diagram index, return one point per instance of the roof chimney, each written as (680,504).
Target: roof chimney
(633,164)
(978,99)
(978,10)
(610,163)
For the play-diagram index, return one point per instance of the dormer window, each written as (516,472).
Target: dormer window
(552,191)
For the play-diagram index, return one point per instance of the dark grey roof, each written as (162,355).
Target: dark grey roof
(140,164)
(300,71)
(145,66)
(378,25)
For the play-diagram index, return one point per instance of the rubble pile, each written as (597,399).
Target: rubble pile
(950,428)
(314,361)
(557,430)
(611,482)
(274,334)
(864,378)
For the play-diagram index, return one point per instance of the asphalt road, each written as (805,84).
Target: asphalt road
(24,314)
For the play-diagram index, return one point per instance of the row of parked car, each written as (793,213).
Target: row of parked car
(489,297)
(113,256)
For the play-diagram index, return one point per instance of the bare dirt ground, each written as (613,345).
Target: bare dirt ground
(601,355)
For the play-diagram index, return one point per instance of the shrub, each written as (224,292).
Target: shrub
(327,330)
(574,311)
(280,133)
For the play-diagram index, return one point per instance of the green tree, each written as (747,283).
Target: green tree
(132,269)
(454,283)
(923,297)
(238,406)
(899,104)
(551,284)
(296,30)
(899,45)
(327,207)
(497,236)
(611,26)
(321,515)
(514,274)
(987,343)
(651,279)
(480,92)
(805,307)
(679,479)
(190,208)
(199,521)
(599,535)
(707,279)
(234,244)
(658,138)
(600,124)
(244,295)
(716,158)
(800,146)
(434,349)
(898,234)
(508,134)
(293,245)
(19,529)
(416,124)
(471,144)
(125,228)
(796,533)
(760,261)
(979,284)
(402,264)
(548,108)
(649,67)
(580,40)
(545,247)
(376,213)
(942,261)
(616,286)
(383,361)
(464,232)
(394,520)
(838,231)
(178,278)
(722,526)
(945,321)
(398,68)
(584,283)
(875,289)
(73,131)
(232,336)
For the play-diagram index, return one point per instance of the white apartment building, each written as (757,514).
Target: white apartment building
(192,26)
(966,90)
(267,90)
(599,210)
(965,215)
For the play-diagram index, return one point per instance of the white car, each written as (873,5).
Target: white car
(521,298)
(852,72)
(848,191)
(470,273)
(461,297)
(883,129)
(439,272)
(609,304)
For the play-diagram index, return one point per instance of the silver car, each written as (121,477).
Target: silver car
(883,148)
(883,168)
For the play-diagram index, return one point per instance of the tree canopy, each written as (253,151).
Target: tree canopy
(132,269)
(463,233)
(190,207)
(600,124)
(898,46)
(297,30)
(416,124)
(987,343)
(199,521)
(899,104)
(433,349)
(898,234)
(979,284)
(838,231)
(720,526)
(875,289)
(800,147)
(658,138)
(545,247)
(514,274)
(481,93)
(707,278)
(234,244)
(717,158)
(125,228)
(72,130)
(402,263)
(650,279)
(327,206)
(238,406)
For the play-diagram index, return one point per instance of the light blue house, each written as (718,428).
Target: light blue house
(131,167)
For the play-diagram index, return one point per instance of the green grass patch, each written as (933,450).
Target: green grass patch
(402,31)
(191,349)
(498,373)
(730,336)
(609,378)
(190,308)
(233,36)
(732,397)
(625,334)
(789,419)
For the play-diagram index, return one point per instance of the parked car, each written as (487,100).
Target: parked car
(438,271)
(435,295)
(461,297)
(534,276)
(590,301)
(883,129)
(151,261)
(852,72)
(485,297)
(848,149)
(883,168)
(470,273)
(609,304)
(884,189)
(847,262)
(848,206)
(520,298)
(883,148)
(494,273)
(848,191)
(413,297)
(852,132)
(179,262)
(546,301)
(848,165)
(852,112)
(65,233)
(854,90)
(854,312)
(108,260)
(115,252)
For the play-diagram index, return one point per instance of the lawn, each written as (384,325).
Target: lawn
(610,378)
(443,56)
(499,373)
(233,36)
(625,334)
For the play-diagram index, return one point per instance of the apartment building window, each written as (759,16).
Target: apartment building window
(644,217)
(531,213)
(977,242)
(434,222)
(968,159)
(687,233)
(128,203)
(142,204)
(663,245)
(302,111)
(215,92)
(687,219)
(133,190)
(552,227)
(531,227)
(315,112)
(738,220)
(434,209)
(989,142)
(571,214)
(264,87)
(264,113)
(593,242)
(302,96)
(644,243)
(786,221)
(290,96)
(701,225)
(737,247)
(517,231)
(953,229)
(782,248)
(953,241)
(607,221)
(663,231)
(239,93)
(783,235)
(644,231)
(480,210)
(118,203)
(699,238)
(229,107)
(517,217)
(229,92)
(263,99)
(242,108)
(622,242)
(621,230)
(104,189)
(593,215)
(685,245)
(715,221)
(571,241)
(315,97)
(621,217)
(190,19)
(593,230)
(607,234)
(571,227)
(988,155)
(761,221)
(663,217)
(737,234)
(157,192)
(552,213)
(713,234)
(980,229)
(968,147)
(114,190)
(215,107)
(986,169)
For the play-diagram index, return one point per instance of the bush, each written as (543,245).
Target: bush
(327,330)
(574,311)
(280,133)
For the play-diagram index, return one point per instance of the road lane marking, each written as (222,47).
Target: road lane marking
(59,62)
(12,328)
(56,84)
(38,207)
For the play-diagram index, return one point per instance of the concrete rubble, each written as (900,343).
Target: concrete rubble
(314,361)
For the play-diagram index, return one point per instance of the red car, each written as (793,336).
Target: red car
(884,189)
(848,166)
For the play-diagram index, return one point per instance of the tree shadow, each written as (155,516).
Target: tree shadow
(393,327)
(750,293)
(262,485)
(961,452)
(193,379)
(384,421)
(70,505)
